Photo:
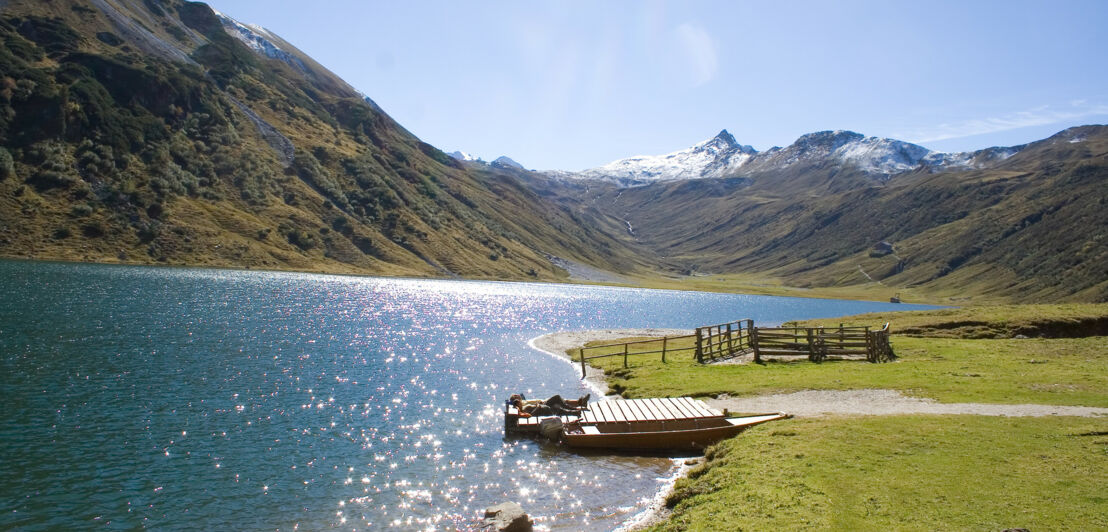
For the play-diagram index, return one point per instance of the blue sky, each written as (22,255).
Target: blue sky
(575,84)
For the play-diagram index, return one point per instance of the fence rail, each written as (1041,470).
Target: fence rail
(655,346)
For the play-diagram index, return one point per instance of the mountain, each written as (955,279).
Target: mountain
(160,131)
(715,157)
(722,156)
(506,162)
(1024,224)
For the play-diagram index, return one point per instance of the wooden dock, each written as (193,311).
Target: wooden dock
(660,410)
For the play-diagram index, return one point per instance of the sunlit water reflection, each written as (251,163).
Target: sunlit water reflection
(206,399)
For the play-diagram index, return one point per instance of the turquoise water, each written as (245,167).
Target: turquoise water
(209,399)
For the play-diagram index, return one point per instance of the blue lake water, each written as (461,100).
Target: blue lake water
(211,399)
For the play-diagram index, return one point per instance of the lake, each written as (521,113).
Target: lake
(203,399)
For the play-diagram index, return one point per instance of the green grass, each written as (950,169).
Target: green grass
(901,473)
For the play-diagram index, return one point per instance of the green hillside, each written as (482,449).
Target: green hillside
(144,132)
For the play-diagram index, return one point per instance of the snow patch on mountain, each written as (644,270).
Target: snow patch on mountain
(260,40)
(463,156)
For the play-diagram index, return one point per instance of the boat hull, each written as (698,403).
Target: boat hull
(662,440)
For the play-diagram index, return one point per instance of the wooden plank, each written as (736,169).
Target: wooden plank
(677,411)
(617,410)
(674,409)
(655,414)
(598,409)
(639,414)
(695,407)
(681,407)
(628,412)
(606,410)
(712,411)
(661,406)
(610,412)
(644,411)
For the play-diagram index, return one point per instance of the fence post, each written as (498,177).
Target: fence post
(582,353)
(699,347)
(811,346)
(730,342)
(665,339)
(754,344)
(625,355)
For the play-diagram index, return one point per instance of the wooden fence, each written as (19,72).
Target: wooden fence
(668,345)
(738,338)
(726,340)
(819,343)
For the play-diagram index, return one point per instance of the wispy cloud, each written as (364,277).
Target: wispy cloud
(1039,116)
(699,52)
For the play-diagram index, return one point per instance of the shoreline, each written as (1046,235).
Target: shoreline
(556,344)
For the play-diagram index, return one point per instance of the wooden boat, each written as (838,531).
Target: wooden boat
(680,423)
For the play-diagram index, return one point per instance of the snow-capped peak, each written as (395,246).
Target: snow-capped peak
(506,161)
(723,156)
(463,156)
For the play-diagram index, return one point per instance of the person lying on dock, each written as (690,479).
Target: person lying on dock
(554,406)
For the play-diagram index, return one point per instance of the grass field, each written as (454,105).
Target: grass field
(907,472)
(902,473)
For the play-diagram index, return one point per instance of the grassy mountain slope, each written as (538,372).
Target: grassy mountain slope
(141,131)
(1029,228)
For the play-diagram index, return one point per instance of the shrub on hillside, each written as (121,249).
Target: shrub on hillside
(7,165)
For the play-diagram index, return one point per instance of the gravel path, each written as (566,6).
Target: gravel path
(810,402)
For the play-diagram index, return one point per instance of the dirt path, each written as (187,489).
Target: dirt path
(811,402)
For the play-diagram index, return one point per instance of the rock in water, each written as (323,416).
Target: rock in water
(507,517)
